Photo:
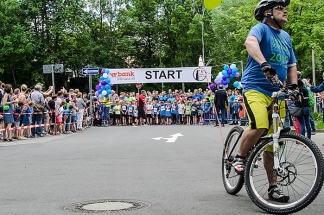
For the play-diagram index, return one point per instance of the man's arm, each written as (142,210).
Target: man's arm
(253,48)
(292,75)
(315,89)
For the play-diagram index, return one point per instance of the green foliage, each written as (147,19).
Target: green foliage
(320,126)
(154,33)
(317,116)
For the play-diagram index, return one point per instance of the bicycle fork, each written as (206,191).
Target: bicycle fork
(275,136)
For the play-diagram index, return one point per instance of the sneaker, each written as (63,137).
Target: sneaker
(239,165)
(313,132)
(277,195)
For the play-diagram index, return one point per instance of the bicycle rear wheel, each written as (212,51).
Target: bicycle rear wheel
(302,179)
(232,181)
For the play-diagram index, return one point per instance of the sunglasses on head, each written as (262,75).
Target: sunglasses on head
(280,8)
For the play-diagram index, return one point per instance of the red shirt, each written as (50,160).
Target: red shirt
(141,100)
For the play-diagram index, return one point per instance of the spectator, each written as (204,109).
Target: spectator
(39,102)
(221,104)
(81,105)
(317,89)
(141,107)
(8,118)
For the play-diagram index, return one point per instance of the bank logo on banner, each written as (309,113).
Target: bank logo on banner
(123,76)
(200,74)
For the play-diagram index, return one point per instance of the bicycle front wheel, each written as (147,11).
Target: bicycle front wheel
(232,181)
(301,180)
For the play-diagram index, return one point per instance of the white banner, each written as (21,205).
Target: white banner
(160,75)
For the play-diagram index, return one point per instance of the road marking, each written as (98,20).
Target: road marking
(172,139)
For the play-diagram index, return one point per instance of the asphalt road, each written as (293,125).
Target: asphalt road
(41,176)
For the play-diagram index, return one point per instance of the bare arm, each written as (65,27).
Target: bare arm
(292,75)
(253,48)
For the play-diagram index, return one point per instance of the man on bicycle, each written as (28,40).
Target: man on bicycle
(270,56)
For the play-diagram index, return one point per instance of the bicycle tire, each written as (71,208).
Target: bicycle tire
(301,183)
(232,181)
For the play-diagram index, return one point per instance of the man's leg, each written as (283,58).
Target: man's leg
(39,119)
(33,130)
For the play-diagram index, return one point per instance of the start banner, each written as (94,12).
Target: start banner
(160,75)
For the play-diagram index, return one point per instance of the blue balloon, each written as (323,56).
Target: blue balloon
(107,71)
(224,78)
(101,96)
(224,72)
(108,92)
(236,84)
(226,67)
(228,80)
(101,78)
(107,95)
(107,87)
(107,80)
(235,70)
(100,91)
(232,76)
(225,86)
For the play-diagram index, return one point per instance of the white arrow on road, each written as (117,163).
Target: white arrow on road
(172,139)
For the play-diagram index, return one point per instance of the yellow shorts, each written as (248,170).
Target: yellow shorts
(259,110)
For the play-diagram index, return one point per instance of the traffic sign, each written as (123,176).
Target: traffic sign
(90,71)
(56,68)
(138,86)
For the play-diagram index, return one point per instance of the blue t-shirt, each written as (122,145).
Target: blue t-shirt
(277,49)
(155,109)
(168,110)
(162,110)
(232,98)
(206,106)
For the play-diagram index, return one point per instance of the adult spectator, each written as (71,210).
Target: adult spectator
(171,99)
(38,99)
(8,118)
(113,96)
(141,107)
(221,103)
(81,105)
(23,96)
(317,89)
(196,95)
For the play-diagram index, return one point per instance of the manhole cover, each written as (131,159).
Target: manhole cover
(107,206)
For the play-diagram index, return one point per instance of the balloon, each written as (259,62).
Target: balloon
(225,86)
(107,95)
(226,67)
(229,71)
(107,71)
(233,66)
(101,78)
(228,80)
(107,80)
(107,87)
(224,82)
(219,78)
(210,4)
(104,92)
(212,86)
(96,93)
(219,82)
(111,84)
(224,78)
(236,84)
(103,83)
(235,70)
(100,91)
(102,71)
(237,75)
(232,76)
(105,75)
(98,87)
(224,72)
(108,92)
(101,96)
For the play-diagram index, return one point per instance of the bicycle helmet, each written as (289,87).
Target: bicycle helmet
(265,5)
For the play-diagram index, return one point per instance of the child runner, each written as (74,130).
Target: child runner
(187,112)
(149,110)
(117,110)
(168,114)
(181,107)
(124,114)
(194,112)
(162,112)
(174,112)
(28,110)
(156,112)
(130,113)
(135,114)
(200,115)
(206,108)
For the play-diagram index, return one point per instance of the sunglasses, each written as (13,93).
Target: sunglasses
(280,8)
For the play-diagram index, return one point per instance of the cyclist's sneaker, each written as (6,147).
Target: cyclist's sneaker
(277,195)
(239,165)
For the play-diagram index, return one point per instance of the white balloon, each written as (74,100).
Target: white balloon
(104,92)
(233,66)
(105,75)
